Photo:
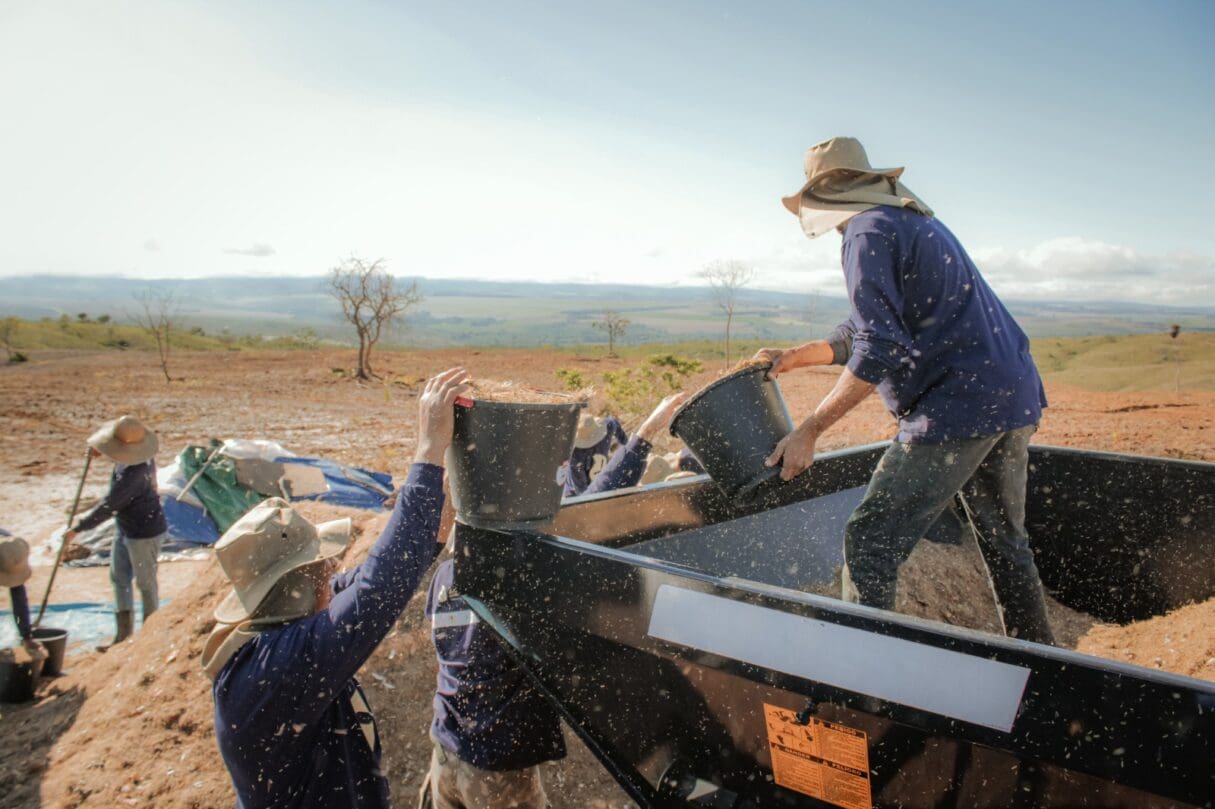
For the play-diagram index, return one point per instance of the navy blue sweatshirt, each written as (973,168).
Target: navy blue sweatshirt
(948,359)
(284,719)
(583,460)
(132,500)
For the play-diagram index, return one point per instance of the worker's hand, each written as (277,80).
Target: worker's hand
(795,452)
(94,453)
(660,419)
(34,649)
(437,415)
(69,536)
(780,358)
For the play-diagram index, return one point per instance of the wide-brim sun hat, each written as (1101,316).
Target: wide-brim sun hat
(840,183)
(125,440)
(591,430)
(269,542)
(14,561)
(832,157)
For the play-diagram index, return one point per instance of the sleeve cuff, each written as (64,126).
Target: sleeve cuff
(867,368)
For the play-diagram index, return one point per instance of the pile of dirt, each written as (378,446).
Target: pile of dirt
(1182,642)
(949,583)
(134,727)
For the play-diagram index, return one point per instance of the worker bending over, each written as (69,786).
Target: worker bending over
(14,573)
(134,503)
(291,723)
(951,365)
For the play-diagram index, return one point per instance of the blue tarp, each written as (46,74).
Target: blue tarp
(188,525)
(85,622)
(348,485)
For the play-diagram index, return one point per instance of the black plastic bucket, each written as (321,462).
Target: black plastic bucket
(55,643)
(17,680)
(732,426)
(507,461)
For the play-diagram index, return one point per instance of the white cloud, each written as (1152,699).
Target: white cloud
(1075,269)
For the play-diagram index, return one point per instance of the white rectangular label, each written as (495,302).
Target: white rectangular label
(960,686)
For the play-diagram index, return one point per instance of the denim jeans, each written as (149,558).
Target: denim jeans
(911,487)
(135,558)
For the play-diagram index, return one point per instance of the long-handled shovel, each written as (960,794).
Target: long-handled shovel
(88,459)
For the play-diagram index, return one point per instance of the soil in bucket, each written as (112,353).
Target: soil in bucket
(55,643)
(510,448)
(732,425)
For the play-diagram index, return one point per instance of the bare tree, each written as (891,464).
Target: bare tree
(726,278)
(614,325)
(157,316)
(370,302)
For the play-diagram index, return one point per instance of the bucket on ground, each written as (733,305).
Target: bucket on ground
(17,679)
(55,643)
(507,460)
(732,426)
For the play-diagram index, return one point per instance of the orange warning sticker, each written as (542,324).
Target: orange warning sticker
(820,759)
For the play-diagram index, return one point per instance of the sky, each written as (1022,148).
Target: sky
(1070,146)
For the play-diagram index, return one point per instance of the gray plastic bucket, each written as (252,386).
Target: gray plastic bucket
(732,426)
(507,461)
(55,643)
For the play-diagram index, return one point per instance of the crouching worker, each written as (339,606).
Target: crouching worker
(291,722)
(14,573)
(623,468)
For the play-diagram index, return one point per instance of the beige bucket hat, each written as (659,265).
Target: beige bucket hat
(125,440)
(840,183)
(263,547)
(14,562)
(591,430)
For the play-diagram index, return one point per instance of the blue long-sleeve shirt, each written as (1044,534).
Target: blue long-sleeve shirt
(21,611)
(132,500)
(948,359)
(284,719)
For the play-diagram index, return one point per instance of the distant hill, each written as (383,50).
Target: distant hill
(466,312)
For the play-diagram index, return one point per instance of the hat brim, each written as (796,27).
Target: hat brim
(18,576)
(596,434)
(105,442)
(793,202)
(334,537)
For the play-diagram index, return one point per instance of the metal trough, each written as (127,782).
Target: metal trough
(669,628)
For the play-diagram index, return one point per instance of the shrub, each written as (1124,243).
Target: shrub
(634,391)
(572,378)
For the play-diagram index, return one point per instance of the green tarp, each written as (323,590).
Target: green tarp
(225,499)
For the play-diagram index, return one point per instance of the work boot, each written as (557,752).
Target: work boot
(126,625)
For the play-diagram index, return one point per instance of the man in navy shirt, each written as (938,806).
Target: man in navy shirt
(134,503)
(291,722)
(951,365)
(492,728)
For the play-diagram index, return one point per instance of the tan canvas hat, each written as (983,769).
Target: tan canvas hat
(591,430)
(262,547)
(125,440)
(840,183)
(14,562)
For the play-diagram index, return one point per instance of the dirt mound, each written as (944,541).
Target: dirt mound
(1182,642)
(134,727)
(949,583)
